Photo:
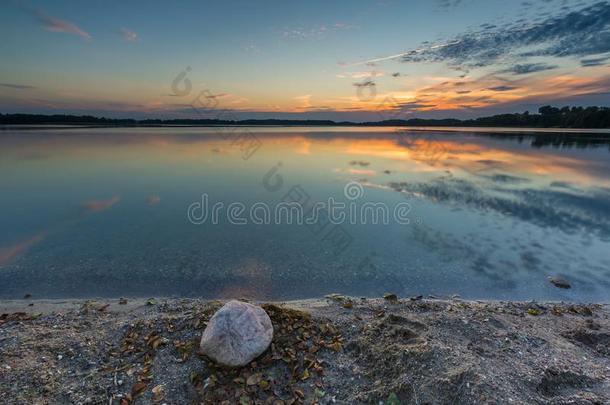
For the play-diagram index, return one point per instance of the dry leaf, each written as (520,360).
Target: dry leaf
(137,389)
(253,379)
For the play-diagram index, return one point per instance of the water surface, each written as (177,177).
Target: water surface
(103,212)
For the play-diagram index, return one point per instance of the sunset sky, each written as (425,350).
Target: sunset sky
(341,60)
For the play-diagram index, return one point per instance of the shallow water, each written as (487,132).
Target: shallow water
(105,212)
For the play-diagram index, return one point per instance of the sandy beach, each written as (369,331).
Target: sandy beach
(336,349)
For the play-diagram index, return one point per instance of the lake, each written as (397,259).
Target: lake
(285,213)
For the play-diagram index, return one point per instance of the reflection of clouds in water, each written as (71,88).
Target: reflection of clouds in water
(249,279)
(531,261)
(304,147)
(8,253)
(36,156)
(562,184)
(220,151)
(360,172)
(569,212)
(153,200)
(359,163)
(100,205)
(506,179)
(449,249)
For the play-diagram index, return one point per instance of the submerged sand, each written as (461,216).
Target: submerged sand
(334,350)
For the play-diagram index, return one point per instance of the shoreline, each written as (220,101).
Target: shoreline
(336,349)
(517,130)
(50,305)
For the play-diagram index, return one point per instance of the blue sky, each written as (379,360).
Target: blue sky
(354,60)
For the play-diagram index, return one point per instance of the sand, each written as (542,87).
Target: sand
(332,350)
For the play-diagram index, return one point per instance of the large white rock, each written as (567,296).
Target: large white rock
(237,334)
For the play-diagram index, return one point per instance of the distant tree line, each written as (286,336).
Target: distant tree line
(547,117)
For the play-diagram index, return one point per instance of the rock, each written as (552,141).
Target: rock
(390,297)
(336,297)
(237,334)
(559,282)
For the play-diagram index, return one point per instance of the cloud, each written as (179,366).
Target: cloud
(579,32)
(56,25)
(526,68)
(317,32)
(129,35)
(502,88)
(594,61)
(17,86)
(448,3)
(365,83)
(360,75)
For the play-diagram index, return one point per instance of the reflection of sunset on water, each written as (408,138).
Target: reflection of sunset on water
(8,253)
(538,201)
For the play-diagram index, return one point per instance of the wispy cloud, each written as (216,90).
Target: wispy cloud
(502,88)
(56,25)
(359,75)
(17,86)
(129,35)
(527,68)
(594,61)
(572,33)
(316,32)
(579,32)
(447,4)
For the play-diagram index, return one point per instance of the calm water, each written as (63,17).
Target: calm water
(103,212)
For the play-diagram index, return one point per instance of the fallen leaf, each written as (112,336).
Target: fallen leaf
(158,393)
(253,379)
(137,389)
